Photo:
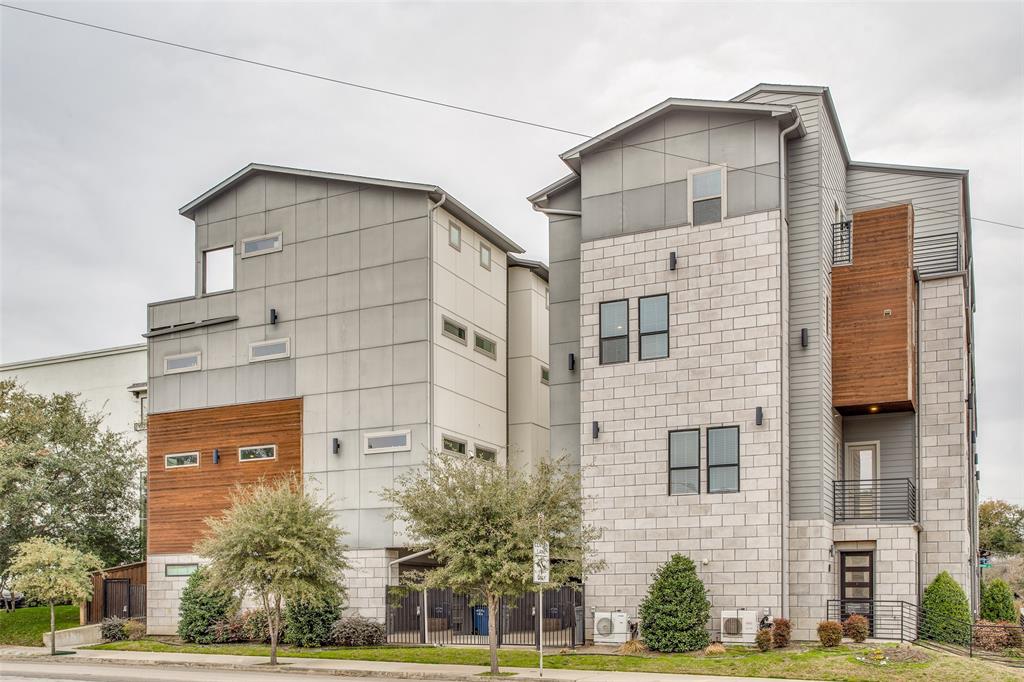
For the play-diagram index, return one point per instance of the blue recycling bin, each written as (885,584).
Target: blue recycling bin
(479,620)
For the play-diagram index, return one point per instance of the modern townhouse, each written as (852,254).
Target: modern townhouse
(762,357)
(341,327)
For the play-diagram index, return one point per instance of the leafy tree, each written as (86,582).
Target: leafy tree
(278,544)
(947,614)
(65,478)
(53,573)
(997,602)
(480,522)
(1001,527)
(674,614)
(201,607)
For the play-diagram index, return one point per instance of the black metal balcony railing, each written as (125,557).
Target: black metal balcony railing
(842,243)
(884,499)
(937,253)
(895,620)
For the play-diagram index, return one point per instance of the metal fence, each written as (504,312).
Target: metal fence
(884,499)
(895,620)
(446,617)
(842,243)
(937,253)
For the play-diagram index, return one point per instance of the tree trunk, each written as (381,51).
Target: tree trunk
(274,621)
(492,630)
(53,631)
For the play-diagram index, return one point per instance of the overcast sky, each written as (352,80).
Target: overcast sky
(105,137)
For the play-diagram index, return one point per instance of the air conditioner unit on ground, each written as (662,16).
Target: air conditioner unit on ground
(611,627)
(739,626)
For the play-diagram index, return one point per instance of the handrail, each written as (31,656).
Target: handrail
(880,499)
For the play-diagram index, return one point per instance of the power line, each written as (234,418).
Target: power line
(464,109)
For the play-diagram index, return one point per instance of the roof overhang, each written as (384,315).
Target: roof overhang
(451,204)
(538,268)
(541,197)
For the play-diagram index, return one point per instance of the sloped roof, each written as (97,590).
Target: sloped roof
(538,268)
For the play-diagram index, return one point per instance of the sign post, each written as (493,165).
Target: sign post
(541,576)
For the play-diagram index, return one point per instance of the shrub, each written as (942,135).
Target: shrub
(359,631)
(764,639)
(135,629)
(201,608)
(256,627)
(830,633)
(676,609)
(856,627)
(782,631)
(997,636)
(714,649)
(309,624)
(114,629)
(997,602)
(230,630)
(947,615)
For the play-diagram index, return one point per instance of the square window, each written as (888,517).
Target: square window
(707,192)
(453,330)
(614,329)
(484,345)
(724,459)
(485,256)
(654,327)
(219,270)
(454,235)
(684,462)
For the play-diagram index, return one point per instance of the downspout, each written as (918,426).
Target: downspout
(917,426)
(430,322)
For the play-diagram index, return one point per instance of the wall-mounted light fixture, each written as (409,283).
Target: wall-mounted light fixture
(759,415)
(216,456)
(804,337)
(572,362)
(974,437)
(970,401)
(594,429)
(273,316)
(336,445)
(672,260)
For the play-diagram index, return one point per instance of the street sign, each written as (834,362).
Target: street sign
(541,563)
(985,564)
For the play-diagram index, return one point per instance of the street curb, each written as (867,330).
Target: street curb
(286,668)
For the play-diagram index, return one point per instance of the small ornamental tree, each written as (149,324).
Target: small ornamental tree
(674,614)
(53,573)
(997,602)
(947,614)
(480,521)
(201,607)
(278,544)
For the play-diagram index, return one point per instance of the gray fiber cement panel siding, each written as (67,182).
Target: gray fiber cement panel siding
(895,435)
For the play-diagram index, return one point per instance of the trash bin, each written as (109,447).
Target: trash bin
(479,620)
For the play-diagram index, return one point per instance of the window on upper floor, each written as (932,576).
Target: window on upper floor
(545,375)
(257,246)
(184,362)
(252,453)
(485,257)
(707,195)
(274,349)
(486,454)
(181,460)
(724,459)
(654,327)
(453,330)
(614,327)
(219,270)
(391,441)
(454,235)
(484,345)
(684,462)
(453,445)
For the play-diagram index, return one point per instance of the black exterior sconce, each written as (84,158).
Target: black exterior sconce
(805,337)
(594,429)
(216,456)
(273,316)
(672,260)
(572,362)
(336,446)
(759,415)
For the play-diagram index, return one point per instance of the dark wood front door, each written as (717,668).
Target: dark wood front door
(116,598)
(857,591)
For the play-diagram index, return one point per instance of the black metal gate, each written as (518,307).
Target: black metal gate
(117,599)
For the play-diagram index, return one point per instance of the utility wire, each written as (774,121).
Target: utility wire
(470,110)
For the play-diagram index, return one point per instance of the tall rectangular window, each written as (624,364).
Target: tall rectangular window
(654,327)
(219,270)
(707,195)
(614,324)
(684,462)
(485,256)
(724,459)
(454,235)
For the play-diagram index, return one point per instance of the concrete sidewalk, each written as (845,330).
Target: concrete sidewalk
(348,668)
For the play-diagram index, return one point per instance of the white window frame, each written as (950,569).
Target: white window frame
(453,337)
(398,448)
(492,355)
(689,190)
(489,450)
(198,355)
(545,380)
(485,249)
(273,235)
(460,441)
(181,466)
(287,353)
(257,447)
(168,567)
(455,228)
(234,275)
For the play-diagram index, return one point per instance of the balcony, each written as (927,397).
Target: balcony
(882,499)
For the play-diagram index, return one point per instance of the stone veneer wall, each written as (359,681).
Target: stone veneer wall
(163,593)
(811,583)
(945,467)
(726,345)
(895,557)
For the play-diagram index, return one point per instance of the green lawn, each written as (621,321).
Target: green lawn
(25,627)
(811,662)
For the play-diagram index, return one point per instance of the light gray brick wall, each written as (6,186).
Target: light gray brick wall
(163,593)
(812,581)
(726,346)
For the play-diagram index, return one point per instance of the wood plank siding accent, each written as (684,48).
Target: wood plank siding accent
(873,352)
(181,498)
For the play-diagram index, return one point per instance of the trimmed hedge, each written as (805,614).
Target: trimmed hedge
(856,627)
(830,633)
(782,633)
(310,624)
(764,639)
(997,602)
(947,614)
(201,608)
(674,614)
(358,631)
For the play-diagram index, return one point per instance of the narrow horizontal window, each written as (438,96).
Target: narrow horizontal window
(252,453)
(654,327)
(257,246)
(707,195)
(724,459)
(269,350)
(454,235)
(485,345)
(486,454)
(684,462)
(485,257)
(180,570)
(453,445)
(614,324)
(185,362)
(219,270)
(453,330)
(181,459)
(545,375)
(392,441)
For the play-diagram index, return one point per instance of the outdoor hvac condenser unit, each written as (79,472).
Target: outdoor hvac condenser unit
(611,627)
(739,626)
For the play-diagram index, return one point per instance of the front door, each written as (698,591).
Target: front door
(856,571)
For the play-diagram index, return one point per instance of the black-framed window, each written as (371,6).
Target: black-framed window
(684,462)
(724,459)
(614,324)
(654,327)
